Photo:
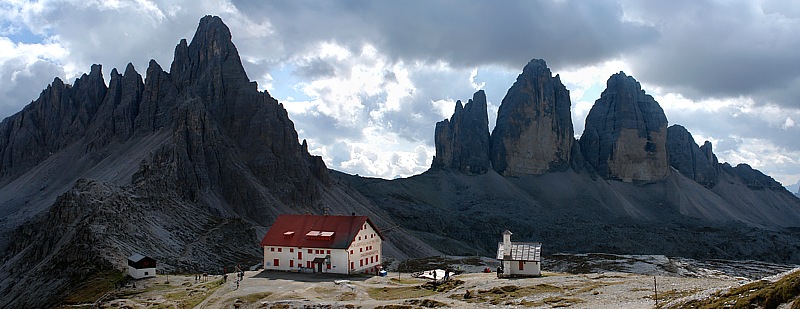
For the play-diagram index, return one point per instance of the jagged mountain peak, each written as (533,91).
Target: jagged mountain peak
(534,132)
(462,142)
(211,49)
(625,133)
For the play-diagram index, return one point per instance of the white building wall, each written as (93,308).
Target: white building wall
(365,251)
(529,268)
(289,260)
(141,273)
(363,255)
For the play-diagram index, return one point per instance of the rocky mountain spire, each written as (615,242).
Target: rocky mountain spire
(534,133)
(689,159)
(625,133)
(462,142)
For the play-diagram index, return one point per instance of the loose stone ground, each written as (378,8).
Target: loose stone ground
(269,289)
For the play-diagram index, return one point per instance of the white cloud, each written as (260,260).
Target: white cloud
(25,70)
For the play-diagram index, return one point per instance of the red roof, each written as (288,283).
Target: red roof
(314,231)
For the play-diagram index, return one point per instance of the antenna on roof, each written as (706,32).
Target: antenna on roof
(325,210)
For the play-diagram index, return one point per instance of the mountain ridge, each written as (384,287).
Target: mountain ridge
(190,166)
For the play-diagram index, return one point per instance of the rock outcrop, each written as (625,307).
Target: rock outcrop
(534,133)
(625,133)
(752,178)
(462,142)
(689,159)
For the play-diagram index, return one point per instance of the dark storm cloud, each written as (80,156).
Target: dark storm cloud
(721,49)
(314,69)
(566,33)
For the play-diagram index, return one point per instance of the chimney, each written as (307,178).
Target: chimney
(506,243)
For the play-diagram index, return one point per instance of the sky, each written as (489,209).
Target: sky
(366,81)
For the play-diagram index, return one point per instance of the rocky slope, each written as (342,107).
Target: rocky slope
(534,133)
(462,142)
(189,166)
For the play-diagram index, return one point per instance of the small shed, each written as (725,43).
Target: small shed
(140,266)
(519,259)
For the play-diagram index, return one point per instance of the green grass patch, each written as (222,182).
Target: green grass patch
(667,296)
(755,294)
(444,286)
(93,288)
(252,298)
(347,296)
(395,307)
(506,294)
(406,280)
(390,293)
(190,297)
(426,303)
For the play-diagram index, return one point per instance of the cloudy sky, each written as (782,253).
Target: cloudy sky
(366,81)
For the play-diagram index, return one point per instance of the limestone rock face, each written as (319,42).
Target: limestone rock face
(534,133)
(689,159)
(60,116)
(462,142)
(625,133)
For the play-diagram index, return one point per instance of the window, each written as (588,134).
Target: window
(291,249)
(521,265)
(351,251)
(272,249)
(329,266)
(361,262)
(146,273)
(291,263)
(359,237)
(352,265)
(308,264)
(316,251)
(329,251)
(309,251)
(276,262)
(360,249)
(299,255)
(280,249)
